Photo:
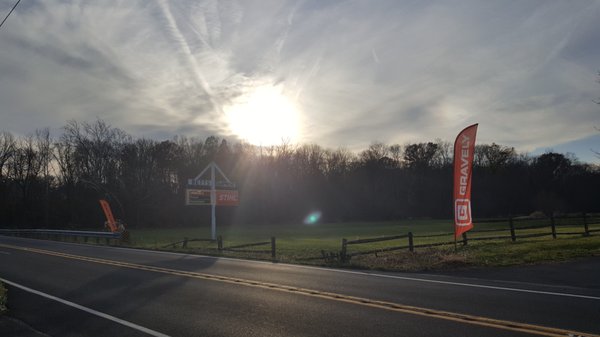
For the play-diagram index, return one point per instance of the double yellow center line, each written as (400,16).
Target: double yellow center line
(390,306)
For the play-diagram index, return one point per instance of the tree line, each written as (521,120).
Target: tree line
(56,182)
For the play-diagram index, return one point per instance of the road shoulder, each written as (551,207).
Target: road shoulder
(10,326)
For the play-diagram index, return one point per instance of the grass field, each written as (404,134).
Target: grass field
(305,244)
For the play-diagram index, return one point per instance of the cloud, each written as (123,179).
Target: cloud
(359,71)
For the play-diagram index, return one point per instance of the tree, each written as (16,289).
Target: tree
(45,153)
(493,156)
(420,156)
(145,179)
(551,171)
(24,170)
(7,148)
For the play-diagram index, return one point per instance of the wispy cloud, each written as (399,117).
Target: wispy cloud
(358,70)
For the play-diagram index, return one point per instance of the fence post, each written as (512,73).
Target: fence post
(273,247)
(411,246)
(464,236)
(586,229)
(343,252)
(220,243)
(513,236)
(553,226)
(184,245)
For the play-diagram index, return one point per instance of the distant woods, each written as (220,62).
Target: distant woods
(55,182)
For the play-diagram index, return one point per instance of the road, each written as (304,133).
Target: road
(64,289)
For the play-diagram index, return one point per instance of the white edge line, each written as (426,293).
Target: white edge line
(372,274)
(88,310)
(471,285)
(368,274)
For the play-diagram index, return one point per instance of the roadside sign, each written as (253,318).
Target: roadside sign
(201,197)
(228,198)
(196,197)
(205,189)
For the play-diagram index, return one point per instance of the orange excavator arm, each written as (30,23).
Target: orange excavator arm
(110,219)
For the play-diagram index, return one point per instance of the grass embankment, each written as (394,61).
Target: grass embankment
(2,299)
(305,244)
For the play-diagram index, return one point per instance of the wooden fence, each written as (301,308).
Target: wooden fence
(243,248)
(553,224)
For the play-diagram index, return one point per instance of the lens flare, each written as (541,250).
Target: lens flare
(312,218)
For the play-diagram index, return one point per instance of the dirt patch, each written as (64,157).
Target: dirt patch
(431,259)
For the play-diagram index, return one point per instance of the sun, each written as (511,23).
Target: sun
(264,117)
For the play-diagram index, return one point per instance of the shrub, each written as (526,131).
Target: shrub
(2,299)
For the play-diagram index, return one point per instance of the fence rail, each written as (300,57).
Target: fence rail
(185,241)
(241,248)
(511,234)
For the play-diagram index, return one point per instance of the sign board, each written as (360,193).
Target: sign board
(196,197)
(220,184)
(201,197)
(214,191)
(228,198)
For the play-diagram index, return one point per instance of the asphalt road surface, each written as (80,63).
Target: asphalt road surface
(63,289)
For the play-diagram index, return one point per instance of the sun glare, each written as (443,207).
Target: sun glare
(264,117)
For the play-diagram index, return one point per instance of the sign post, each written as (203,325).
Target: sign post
(213,192)
(213,203)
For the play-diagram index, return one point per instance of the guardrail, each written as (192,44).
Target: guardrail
(63,235)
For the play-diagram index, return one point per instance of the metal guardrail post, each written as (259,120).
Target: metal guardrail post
(273,247)
(411,245)
(220,243)
(465,240)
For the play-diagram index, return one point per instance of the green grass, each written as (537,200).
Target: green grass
(2,299)
(526,252)
(304,244)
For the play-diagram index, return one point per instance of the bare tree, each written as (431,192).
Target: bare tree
(374,153)
(7,148)
(443,156)
(309,161)
(396,153)
(97,147)
(45,149)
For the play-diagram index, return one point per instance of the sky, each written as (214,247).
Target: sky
(335,73)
